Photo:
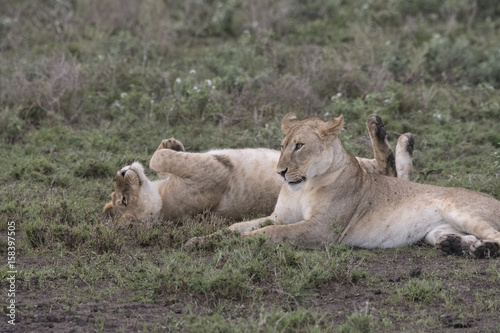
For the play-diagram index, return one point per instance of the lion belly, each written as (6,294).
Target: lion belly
(253,185)
(393,227)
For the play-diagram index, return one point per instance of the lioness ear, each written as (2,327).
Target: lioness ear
(288,121)
(333,127)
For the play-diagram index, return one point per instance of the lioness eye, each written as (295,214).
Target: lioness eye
(124,201)
(298,146)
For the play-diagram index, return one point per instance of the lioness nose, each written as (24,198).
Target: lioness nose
(283,172)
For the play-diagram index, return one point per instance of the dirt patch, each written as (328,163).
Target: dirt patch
(465,297)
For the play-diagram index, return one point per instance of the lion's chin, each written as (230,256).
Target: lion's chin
(296,185)
(300,180)
(139,181)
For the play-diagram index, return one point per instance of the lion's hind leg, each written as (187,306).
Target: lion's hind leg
(476,215)
(486,249)
(384,162)
(404,152)
(450,241)
(447,239)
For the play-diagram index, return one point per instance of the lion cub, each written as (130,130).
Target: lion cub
(231,182)
(329,197)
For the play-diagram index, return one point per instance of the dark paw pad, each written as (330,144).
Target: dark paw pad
(381,133)
(451,245)
(487,250)
(375,126)
(410,145)
(172,144)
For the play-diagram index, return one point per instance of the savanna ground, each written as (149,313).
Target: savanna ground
(87,87)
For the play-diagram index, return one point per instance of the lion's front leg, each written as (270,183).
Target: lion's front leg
(172,144)
(239,227)
(305,234)
(196,166)
(253,224)
(384,162)
(404,152)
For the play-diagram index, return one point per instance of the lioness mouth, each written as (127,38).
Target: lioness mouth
(302,179)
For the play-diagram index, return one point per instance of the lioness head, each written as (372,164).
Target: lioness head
(133,195)
(306,149)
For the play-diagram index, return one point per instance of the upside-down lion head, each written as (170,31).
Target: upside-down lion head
(305,150)
(125,199)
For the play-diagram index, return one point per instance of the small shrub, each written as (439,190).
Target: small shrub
(93,169)
(147,234)
(300,320)
(104,239)
(71,237)
(420,291)
(358,322)
(11,126)
(37,233)
(229,283)
(496,162)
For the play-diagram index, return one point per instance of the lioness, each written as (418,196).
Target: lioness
(232,182)
(329,197)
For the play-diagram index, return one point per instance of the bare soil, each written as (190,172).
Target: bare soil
(42,310)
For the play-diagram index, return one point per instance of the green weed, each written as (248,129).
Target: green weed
(420,291)
(275,321)
(357,322)
(104,239)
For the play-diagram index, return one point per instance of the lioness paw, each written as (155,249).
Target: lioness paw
(172,144)
(485,249)
(408,142)
(457,245)
(375,126)
(451,244)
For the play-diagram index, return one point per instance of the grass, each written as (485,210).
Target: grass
(90,86)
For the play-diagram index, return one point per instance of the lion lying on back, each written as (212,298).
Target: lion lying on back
(232,182)
(330,198)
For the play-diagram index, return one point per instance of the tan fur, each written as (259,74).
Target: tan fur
(329,197)
(233,183)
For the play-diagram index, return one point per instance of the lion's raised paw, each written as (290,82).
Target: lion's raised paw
(375,126)
(172,144)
